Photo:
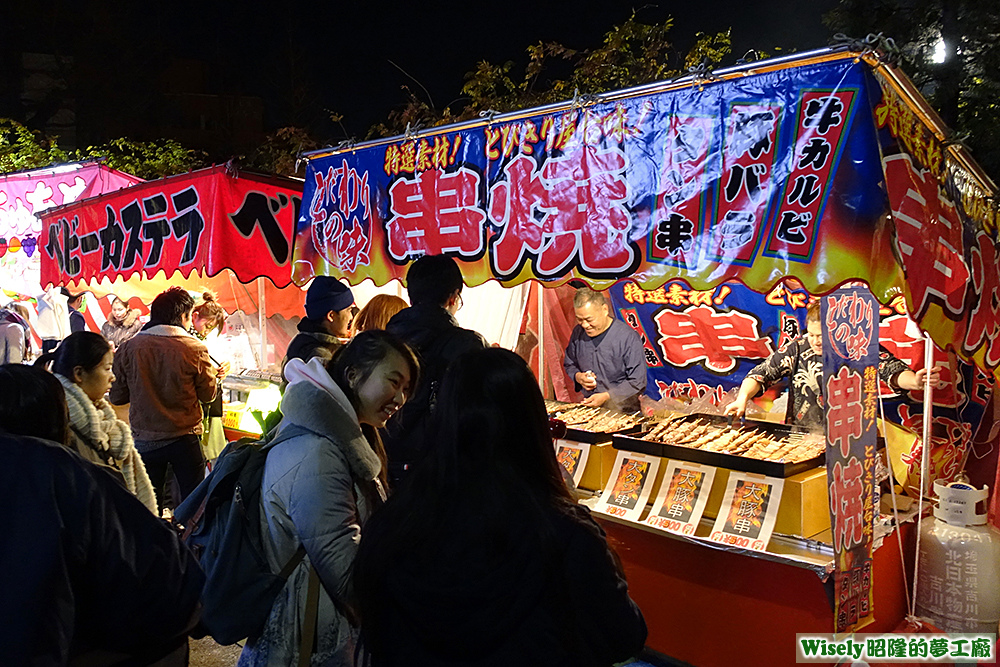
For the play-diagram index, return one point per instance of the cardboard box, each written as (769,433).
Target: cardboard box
(599,463)
(804,508)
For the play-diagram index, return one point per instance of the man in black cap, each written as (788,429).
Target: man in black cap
(434,284)
(75,302)
(329,311)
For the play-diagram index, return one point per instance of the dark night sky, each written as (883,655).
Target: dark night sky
(302,57)
(437,47)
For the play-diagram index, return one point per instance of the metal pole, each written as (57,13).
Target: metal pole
(262,323)
(541,339)
(928,412)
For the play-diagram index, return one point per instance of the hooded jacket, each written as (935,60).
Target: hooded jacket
(317,491)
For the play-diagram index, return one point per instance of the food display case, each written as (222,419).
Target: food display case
(249,397)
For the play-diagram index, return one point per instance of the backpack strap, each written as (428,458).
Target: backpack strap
(311,619)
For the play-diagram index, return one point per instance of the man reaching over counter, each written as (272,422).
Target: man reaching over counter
(604,356)
(802,361)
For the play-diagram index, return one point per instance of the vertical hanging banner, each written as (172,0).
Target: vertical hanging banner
(850,387)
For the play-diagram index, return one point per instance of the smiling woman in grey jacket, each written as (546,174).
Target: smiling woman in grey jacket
(321,485)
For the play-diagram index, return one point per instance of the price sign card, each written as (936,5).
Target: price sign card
(682,497)
(629,486)
(572,456)
(748,511)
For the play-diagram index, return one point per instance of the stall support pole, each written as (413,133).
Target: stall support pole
(262,324)
(541,338)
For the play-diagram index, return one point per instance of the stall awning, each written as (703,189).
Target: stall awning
(796,167)
(24,195)
(210,228)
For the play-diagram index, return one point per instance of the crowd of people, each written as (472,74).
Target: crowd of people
(410,499)
(413,466)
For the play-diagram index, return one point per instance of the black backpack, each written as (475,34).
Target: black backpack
(220,521)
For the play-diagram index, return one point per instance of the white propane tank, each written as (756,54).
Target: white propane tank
(959,579)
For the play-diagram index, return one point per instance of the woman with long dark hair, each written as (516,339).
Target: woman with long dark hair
(482,557)
(82,364)
(32,402)
(322,480)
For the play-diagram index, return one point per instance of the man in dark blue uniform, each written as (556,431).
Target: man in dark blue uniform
(604,356)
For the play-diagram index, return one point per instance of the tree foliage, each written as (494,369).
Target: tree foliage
(22,148)
(965,87)
(631,54)
(146,159)
(279,154)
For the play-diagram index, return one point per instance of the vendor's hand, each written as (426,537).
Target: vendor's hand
(586,380)
(596,400)
(922,374)
(222,370)
(737,408)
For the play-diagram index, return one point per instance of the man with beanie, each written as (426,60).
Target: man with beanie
(329,311)
(434,284)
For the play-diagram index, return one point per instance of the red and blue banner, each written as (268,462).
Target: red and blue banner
(774,172)
(740,179)
(849,321)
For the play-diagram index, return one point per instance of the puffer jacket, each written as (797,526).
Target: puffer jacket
(317,492)
(117,333)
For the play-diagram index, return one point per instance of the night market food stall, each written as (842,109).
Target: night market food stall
(212,228)
(713,207)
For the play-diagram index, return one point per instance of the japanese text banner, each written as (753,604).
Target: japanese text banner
(740,179)
(700,345)
(945,229)
(204,221)
(850,327)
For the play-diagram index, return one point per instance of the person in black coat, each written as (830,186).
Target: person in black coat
(330,310)
(87,572)
(434,285)
(482,557)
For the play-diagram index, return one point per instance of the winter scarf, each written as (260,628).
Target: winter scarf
(110,437)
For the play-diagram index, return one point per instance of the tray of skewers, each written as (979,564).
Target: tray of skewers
(590,424)
(765,448)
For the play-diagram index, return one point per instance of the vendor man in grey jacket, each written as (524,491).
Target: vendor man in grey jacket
(604,357)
